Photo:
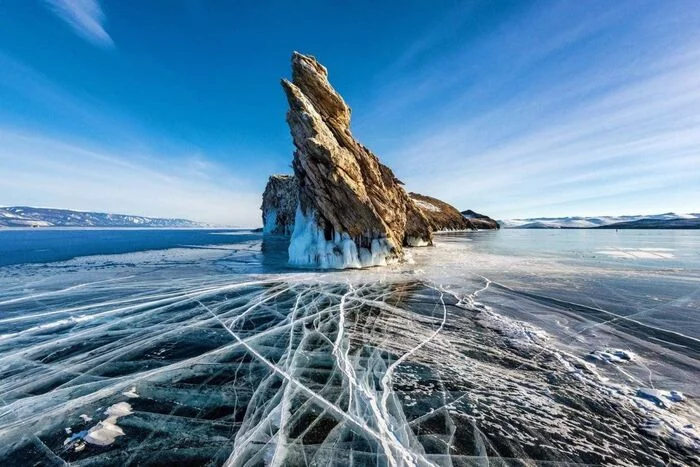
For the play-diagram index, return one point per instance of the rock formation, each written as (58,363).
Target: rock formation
(441,215)
(281,198)
(352,210)
(480,221)
(279,205)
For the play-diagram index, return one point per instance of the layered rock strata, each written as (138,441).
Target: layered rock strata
(281,198)
(480,221)
(442,216)
(279,205)
(352,210)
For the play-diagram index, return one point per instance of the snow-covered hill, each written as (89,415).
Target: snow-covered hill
(669,219)
(25,216)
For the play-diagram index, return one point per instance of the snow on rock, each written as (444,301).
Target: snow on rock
(442,216)
(425,206)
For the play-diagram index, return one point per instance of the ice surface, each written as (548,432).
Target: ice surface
(638,254)
(449,361)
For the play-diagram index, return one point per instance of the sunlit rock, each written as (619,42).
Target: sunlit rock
(352,210)
(480,221)
(442,216)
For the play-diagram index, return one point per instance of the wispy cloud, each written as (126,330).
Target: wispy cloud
(554,113)
(52,173)
(104,160)
(85,17)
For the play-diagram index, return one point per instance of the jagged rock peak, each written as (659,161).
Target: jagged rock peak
(279,204)
(312,79)
(352,210)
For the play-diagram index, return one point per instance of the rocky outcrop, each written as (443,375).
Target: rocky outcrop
(352,210)
(480,221)
(442,216)
(279,205)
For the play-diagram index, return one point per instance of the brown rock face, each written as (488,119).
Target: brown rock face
(442,216)
(445,217)
(352,210)
(480,221)
(279,205)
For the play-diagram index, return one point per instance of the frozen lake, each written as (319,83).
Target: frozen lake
(201,347)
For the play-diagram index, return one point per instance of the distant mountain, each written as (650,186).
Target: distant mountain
(679,223)
(25,216)
(668,220)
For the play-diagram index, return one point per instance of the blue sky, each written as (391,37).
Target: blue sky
(512,108)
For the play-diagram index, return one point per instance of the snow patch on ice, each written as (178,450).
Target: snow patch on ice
(102,434)
(106,431)
(131,393)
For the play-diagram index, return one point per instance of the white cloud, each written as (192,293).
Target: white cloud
(49,173)
(85,17)
(575,116)
(113,164)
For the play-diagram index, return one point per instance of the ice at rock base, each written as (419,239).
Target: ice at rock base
(309,247)
(417,241)
(270,221)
